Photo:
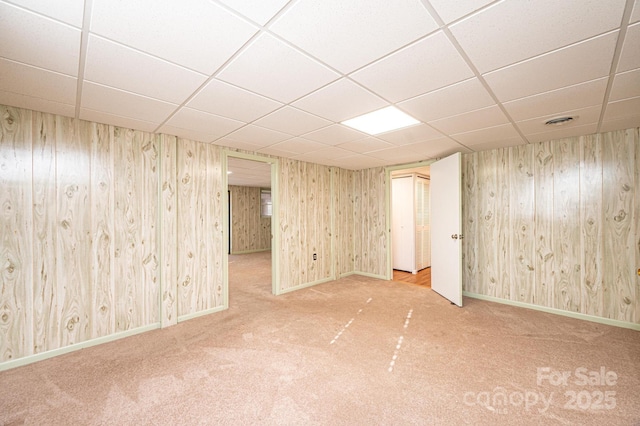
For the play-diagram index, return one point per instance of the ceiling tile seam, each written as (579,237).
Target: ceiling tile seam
(38,67)
(248,20)
(197,91)
(40,15)
(624,25)
(84,40)
(555,90)
(145,53)
(531,58)
(474,69)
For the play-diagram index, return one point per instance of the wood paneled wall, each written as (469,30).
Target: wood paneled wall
(249,230)
(369,223)
(305,223)
(78,250)
(343,201)
(556,224)
(199,222)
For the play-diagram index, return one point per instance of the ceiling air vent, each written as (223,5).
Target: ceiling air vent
(559,121)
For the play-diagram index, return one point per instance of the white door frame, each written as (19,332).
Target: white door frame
(387,194)
(275,220)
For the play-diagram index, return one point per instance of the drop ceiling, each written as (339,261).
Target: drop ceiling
(278,77)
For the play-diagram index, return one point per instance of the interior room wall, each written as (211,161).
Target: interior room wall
(107,232)
(250,231)
(556,224)
(370,229)
(344,225)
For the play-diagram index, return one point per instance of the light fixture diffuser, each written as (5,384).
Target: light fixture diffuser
(381,121)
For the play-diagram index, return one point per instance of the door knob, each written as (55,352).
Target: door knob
(454,236)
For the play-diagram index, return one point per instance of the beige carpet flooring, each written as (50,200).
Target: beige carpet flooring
(357,351)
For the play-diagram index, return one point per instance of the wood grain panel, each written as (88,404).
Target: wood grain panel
(591,220)
(147,144)
(200,274)
(502,235)
(128,191)
(469,223)
(635,136)
(521,202)
(566,211)
(102,236)
(618,182)
(249,231)
(324,222)
(544,228)
(215,245)
(45,319)
(187,229)
(169,230)
(73,227)
(16,277)
(359,252)
(307,204)
(488,273)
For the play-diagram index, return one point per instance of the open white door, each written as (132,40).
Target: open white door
(446,226)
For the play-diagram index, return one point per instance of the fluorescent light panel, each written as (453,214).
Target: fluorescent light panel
(381,121)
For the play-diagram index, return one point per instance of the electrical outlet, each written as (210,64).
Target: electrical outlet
(315,256)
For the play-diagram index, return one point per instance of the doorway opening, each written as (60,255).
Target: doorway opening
(251,263)
(410,225)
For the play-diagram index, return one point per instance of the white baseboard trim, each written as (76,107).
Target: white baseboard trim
(370,275)
(7,365)
(201,313)
(301,286)
(346,274)
(577,315)
(250,251)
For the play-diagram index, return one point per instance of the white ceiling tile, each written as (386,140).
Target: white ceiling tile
(274,150)
(625,85)
(575,64)
(340,101)
(348,35)
(190,134)
(225,100)
(630,55)
(258,136)
(409,135)
(39,41)
(237,144)
(116,120)
(298,146)
(478,119)
(124,104)
(635,15)
(397,155)
(449,10)
(327,153)
(365,145)
(437,148)
(456,99)
(424,66)
(69,11)
(623,108)
(293,121)
(496,145)
(585,116)
(334,135)
(357,162)
(37,83)
(118,66)
(284,73)
(258,11)
(555,102)
(208,126)
(511,31)
(197,34)
(568,132)
(628,122)
(501,133)
(36,104)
